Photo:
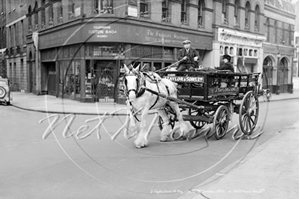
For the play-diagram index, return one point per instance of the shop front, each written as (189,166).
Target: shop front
(88,66)
(245,50)
(278,68)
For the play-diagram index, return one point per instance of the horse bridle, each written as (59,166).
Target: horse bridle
(138,91)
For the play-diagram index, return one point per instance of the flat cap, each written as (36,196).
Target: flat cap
(186,42)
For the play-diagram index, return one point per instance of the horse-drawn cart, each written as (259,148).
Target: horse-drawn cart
(211,97)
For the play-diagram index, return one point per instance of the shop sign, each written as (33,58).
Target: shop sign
(118,32)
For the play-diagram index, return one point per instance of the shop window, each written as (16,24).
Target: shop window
(103,6)
(144,8)
(226,50)
(250,52)
(245,52)
(166,11)
(157,65)
(184,17)
(231,50)
(255,53)
(201,7)
(221,50)
(168,52)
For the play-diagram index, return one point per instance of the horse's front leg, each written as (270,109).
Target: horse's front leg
(142,139)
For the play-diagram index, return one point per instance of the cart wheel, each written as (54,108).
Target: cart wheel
(248,114)
(196,124)
(172,119)
(221,121)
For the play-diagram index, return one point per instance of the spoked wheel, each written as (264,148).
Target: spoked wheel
(196,124)
(248,114)
(221,121)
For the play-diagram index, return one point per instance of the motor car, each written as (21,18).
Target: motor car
(5,96)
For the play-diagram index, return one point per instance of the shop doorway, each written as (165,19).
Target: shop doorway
(283,75)
(103,76)
(267,77)
(51,78)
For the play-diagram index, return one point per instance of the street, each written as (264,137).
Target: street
(59,167)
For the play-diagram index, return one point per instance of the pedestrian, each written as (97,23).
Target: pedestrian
(188,56)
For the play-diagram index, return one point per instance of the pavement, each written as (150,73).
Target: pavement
(51,104)
(270,171)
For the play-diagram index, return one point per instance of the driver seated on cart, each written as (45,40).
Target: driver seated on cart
(188,56)
(226,65)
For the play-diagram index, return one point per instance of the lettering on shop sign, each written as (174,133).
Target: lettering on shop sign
(102,31)
(185,79)
(86,130)
(164,37)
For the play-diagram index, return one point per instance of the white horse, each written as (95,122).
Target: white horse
(141,99)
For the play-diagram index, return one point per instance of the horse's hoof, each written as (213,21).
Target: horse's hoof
(164,140)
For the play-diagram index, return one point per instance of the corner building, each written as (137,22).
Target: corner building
(76,49)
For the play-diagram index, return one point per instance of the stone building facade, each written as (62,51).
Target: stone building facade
(279,45)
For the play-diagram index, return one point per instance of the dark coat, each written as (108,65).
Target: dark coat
(226,66)
(191,54)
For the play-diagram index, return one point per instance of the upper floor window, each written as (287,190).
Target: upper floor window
(201,7)
(267,26)
(275,32)
(71,9)
(224,12)
(60,12)
(29,19)
(236,13)
(184,18)
(144,8)
(282,35)
(257,15)
(51,14)
(247,15)
(43,14)
(166,11)
(36,22)
(103,6)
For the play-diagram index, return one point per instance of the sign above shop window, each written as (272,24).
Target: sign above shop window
(124,33)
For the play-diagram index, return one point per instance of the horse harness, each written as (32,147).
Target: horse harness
(141,90)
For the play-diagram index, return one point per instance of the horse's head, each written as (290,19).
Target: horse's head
(132,82)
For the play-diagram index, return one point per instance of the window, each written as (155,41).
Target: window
(224,12)
(282,35)
(257,15)
(36,21)
(236,13)
(184,18)
(274,40)
(43,14)
(29,19)
(166,11)
(144,8)
(247,16)
(51,14)
(267,30)
(200,13)
(60,12)
(103,6)
(71,9)
(245,52)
